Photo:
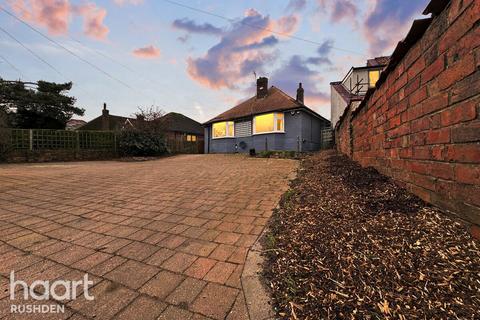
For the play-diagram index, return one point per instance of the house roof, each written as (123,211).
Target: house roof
(378,61)
(178,122)
(344,93)
(275,100)
(114,123)
(73,124)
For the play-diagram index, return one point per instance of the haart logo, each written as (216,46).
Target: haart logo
(68,289)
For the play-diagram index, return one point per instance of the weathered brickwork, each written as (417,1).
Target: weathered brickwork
(422,124)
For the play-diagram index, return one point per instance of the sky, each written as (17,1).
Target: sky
(197,57)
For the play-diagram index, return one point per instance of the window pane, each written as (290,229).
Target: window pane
(264,123)
(279,121)
(219,129)
(230,128)
(189,138)
(373,77)
(194,138)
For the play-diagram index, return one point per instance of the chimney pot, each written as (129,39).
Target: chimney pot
(300,93)
(105,118)
(262,87)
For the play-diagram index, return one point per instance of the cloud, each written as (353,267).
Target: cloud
(93,18)
(305,69)
(296,5)
(287,24)
(339,10)
(126,2)
(56,16)
(148,52)
(388,22)
(53,14)
(266,42)
(230,62)
(192,27)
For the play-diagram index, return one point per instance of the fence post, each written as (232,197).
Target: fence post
(77,144)
(30,136)
(115,143)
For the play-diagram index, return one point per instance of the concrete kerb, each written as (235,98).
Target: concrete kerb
(257,299)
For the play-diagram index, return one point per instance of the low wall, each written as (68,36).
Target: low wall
(421,125)
(58,155)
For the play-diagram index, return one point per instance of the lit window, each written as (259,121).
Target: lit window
(194,138)
(223,129)
(279,121)
(189,137)
(270,122)
(373,77)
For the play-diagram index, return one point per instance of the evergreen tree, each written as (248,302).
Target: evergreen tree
(43,106)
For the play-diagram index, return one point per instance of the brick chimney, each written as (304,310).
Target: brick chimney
(300,93)
(105,118)
(262,87)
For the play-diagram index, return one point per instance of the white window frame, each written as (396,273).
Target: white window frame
(254,131)
(227,126)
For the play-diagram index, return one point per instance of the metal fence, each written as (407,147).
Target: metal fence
(45,139)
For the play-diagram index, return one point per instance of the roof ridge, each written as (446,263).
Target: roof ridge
(288,96)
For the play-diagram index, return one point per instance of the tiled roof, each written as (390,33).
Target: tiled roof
(73,124)
(344,93)
(378,61)
(276,100)
(180,123)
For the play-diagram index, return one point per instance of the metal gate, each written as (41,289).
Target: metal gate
(326,138)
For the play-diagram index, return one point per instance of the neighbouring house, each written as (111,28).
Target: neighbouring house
(180,129)
(107,122)
(74,124)
(271,120)
(182,133)
(354,86)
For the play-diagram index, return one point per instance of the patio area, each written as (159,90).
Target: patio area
(160,239)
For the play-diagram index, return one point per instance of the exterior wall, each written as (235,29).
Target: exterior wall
(358,75)
(422,124)
(299,126)
(343,139)
(337,106)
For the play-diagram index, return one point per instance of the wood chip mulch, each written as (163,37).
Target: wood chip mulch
(347,243)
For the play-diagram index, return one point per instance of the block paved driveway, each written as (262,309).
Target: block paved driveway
(160,239)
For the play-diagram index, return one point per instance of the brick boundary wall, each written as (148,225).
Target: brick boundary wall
(421,125)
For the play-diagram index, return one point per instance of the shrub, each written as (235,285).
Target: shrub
(141,143)
(266,154)
(146,137)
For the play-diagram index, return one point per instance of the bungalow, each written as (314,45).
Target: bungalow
(271,120)
(182,133)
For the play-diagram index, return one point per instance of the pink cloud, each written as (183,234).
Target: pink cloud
(241,50)
(287,24)
(339,10)
(148,52)
(93,20)
(52,14)
(56,15)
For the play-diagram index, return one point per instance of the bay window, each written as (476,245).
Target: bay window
(268,123)
(223,129)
